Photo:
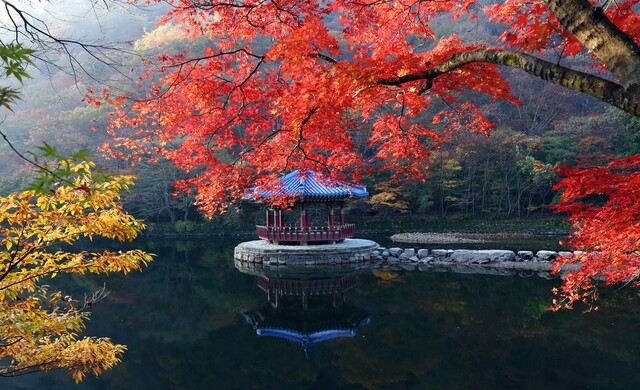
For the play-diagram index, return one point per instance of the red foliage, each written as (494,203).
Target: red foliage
(244,111)
(604,206)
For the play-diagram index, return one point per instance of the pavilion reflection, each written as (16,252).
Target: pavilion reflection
(306,305)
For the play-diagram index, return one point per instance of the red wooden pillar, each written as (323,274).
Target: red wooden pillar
(303,217)
(341,214)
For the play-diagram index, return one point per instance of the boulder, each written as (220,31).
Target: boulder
(440,253)
(525,255)
(409,252)
(546,255)
(422,253)
(395,251)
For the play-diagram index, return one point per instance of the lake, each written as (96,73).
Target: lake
(191,321)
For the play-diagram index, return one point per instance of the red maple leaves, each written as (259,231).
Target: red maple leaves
(289,84)
(604,206)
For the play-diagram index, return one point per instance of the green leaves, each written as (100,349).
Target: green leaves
(15,60)
(54,169)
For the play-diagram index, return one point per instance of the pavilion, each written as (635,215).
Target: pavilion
(307,187)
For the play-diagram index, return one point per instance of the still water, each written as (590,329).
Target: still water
(191,321)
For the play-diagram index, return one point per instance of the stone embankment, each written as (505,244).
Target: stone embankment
(367,254)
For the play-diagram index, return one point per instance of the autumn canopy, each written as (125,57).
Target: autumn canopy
(349,87)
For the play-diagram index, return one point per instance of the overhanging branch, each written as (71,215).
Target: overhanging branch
(596,86)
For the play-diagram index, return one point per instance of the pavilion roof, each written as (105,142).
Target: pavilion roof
(311,185)
(307,338)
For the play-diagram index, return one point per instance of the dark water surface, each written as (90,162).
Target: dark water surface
(184,320)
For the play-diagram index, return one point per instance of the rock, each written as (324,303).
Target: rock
(403,256)
(422,253)
(546,255)
(525,255)
(375,253)
(414,259)
(426,260)
(395,251)
(409,252)
(565,254)
(481,256)
(393,260)
(440,253)
(385,254)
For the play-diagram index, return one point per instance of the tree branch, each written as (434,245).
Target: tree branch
(596,86)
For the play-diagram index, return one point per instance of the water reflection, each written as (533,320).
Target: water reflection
(182,320)
(306,305)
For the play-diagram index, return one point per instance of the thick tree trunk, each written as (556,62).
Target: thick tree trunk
(591,27)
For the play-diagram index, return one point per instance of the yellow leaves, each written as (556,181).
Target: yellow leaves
(36,336)
(389,196)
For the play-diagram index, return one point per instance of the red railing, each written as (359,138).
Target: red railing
(310,286)
(309,234)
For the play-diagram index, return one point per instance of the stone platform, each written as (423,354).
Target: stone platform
(348,251)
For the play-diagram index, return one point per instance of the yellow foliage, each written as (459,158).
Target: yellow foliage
(160,37)
(389,196)
(38,328)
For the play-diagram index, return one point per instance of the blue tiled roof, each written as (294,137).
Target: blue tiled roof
(306,339)
(309,184)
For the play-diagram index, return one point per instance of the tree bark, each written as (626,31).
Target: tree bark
(591,27)
(596,86)
(588,25)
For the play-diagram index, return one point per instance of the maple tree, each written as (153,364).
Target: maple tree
(39,327)
(351,86)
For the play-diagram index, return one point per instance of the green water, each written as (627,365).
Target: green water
(182,320)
